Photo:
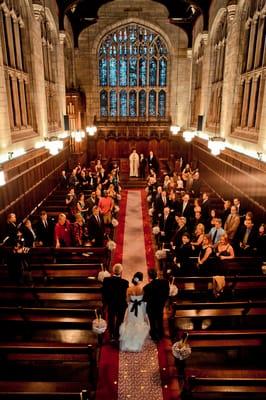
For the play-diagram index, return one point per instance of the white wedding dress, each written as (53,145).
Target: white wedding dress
(135,328)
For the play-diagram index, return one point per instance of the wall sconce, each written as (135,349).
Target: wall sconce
(216,144)
(259,154)
(53,145)
(189,135)
(78,136)
(174,129)
(91,130)
(2,177)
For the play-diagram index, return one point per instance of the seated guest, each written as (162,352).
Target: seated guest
(261,242)
(96,228)
(78,231)
(198,238)
(29,235)
(247,238)
(62,232)
(11,230)
(44,230)
(224,250)
(216,232)
(204,259)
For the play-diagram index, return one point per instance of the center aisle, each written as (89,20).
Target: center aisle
(127,375)
(139,375)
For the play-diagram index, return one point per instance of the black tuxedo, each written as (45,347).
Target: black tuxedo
(153,164)
(166,225)
(205,210)
(177,237)
(29,237)
(45,233)
(12,233)
(251,241)
(142,167)
(156,294)
(114,297)
(96,231)
(187,211)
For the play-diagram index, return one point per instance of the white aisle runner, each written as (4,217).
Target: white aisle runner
(139,376)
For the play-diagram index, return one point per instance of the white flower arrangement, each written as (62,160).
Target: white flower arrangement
(181,350)
(116,209)
(99,325)
(118,196)
(114,222)
(160,254)
(149,198)
(102,275)
(156,230)
(111,245)
(151,211)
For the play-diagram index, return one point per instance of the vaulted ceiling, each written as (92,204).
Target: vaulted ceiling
(183,13)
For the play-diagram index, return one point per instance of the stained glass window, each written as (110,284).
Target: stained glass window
(142,103)
(133,56)
(123,103)
(161,106)
(113,103)
(162,72)
(152,103)
(132,104)
(153,71)
(103,103)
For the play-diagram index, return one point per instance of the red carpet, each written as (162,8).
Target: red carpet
(107,388)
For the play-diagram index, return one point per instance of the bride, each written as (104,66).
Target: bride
(135,328)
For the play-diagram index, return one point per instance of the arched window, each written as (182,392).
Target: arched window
(104,103)
(197,83)
(133,58)
(217,60)
(247,119)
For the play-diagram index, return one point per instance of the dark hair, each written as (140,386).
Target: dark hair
(137,278)
(152,273)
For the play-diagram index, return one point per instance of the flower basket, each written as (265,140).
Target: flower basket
(99,325)
(181,350)
(111,245)
(116,209)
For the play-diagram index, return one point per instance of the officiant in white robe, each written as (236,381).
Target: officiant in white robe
(134,164)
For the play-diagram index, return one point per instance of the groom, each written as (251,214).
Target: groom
(114,297)
(156,294)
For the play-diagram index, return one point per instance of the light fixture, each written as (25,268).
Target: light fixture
(174,129)
(91,130)
(2,177)
(216,144)
(189,135)
(53,145)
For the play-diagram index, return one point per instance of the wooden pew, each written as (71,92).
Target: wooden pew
(24,390)
(225,388)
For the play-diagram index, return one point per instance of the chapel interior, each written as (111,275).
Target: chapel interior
(88,80)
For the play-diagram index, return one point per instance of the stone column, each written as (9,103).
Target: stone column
(17,44)
(61,77)
(15,97)
(23,102)
(9,23)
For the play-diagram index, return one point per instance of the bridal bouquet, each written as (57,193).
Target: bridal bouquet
(99,325)
(156,230)
(181,349)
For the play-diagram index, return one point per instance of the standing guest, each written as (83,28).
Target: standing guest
(81,206)
(166,223)
(44,230)
(240,210)
(91,202)
(231,224)
(216,232)
(71,202)
(73,179)
(155,295)
(96,228)
(152,162)
(91,181)
(226,211)
(114,298)
(11,230)
(78,231)
(198,238)
(106,205)
(261,242)
(247,238)
(196,185)
(134,164)
(224,250)
(83,181)
(142,166)
(29,235)
(180,230)
(183,254)
(62,232)
(98,166)
(205,206)
(204,258)
(63,180)
(196,220)
(186,209)
(179,184)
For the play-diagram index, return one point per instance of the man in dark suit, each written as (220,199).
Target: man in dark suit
(205,206)
(114,298)
(29,234)
(96,228)
(248,237)
(142,166)
(166,223)
(186,209)
(156,294)
(44,230)
(153,163)
(11,230)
